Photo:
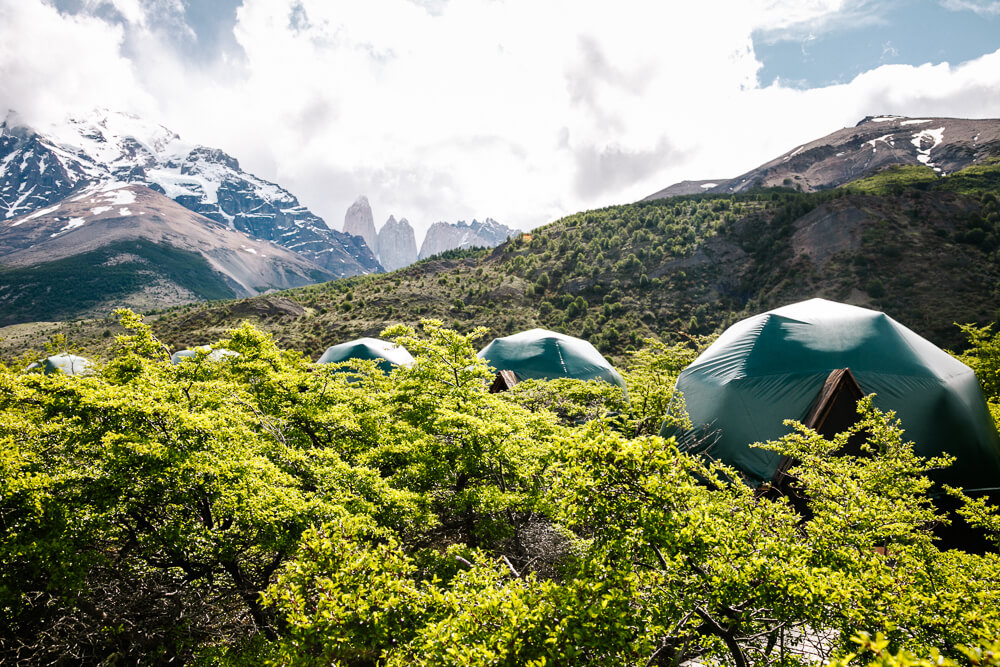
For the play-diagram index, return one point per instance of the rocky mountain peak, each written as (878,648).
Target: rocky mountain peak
(397,244)
(444,236)
(359,221)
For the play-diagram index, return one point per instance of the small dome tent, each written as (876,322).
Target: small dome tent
(190,353)
(780,364)
(547,355)
(385,353)
(68,364)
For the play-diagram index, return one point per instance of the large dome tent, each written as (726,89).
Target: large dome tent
(191,353)
(67,364)
(387,354)
(776,366)
(548,355)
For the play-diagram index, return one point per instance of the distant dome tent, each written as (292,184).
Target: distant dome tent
(547,355)
(385,353)
(67,364)
(783,364)
(218,354)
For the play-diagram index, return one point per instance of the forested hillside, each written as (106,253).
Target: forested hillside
(920,247)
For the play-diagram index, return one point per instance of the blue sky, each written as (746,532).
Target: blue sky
(521,110)
(913,32)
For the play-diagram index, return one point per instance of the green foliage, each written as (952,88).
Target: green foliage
(347,596)
(976,179)
(574,402)
(257,508)
(876,652)
(650,376)
(894,179)
(983,357)
(875,288)
(718,572)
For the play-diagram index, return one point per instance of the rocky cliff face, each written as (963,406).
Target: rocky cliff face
(397,245)
(358,221)
(40,168)
(444,236)
(942,144)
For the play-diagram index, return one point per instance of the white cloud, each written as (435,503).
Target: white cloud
(438,110)
(985,7)
(51,63)
(790,20)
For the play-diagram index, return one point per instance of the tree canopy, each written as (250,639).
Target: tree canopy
(258,508)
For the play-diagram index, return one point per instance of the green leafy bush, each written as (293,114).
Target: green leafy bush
(257,508)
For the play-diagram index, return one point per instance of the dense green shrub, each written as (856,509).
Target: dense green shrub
(258,508)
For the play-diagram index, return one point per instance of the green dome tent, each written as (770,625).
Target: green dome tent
(773,366)
(68,364)
(190,353)
(547,355)
(385,353)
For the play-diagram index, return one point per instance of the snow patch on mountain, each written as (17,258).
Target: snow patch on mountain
(44,211)
(925,142)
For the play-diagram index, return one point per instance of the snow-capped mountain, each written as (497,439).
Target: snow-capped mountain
(41,166)
(942,144)
(115,244)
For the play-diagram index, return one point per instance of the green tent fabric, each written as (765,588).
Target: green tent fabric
(385,353)
(189,354)
(68,364)
(547,355)
(770,367)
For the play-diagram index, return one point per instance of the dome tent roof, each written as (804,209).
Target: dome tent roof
(68,364)
(385,353)
(191,353)
(547,355)
(770,367)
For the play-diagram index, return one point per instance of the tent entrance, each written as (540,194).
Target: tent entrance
(836,407)
(834,411)
(504,381)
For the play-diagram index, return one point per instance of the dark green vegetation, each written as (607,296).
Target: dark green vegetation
(260,509)
(68,287)
(922,250)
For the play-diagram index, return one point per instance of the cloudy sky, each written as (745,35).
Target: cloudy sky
(522,110)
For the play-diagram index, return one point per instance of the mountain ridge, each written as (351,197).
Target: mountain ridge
(444,236)
(944,144)
(95,218)
(921,246)
(40,168)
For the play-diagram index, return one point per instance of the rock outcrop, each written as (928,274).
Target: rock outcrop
(359,221)
(444,236)
(396,244)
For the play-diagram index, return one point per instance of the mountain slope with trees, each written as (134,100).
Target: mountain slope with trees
(906,240)
(256,508)
(918,246)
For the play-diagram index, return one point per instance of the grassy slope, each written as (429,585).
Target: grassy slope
(68,287)
(925,254)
